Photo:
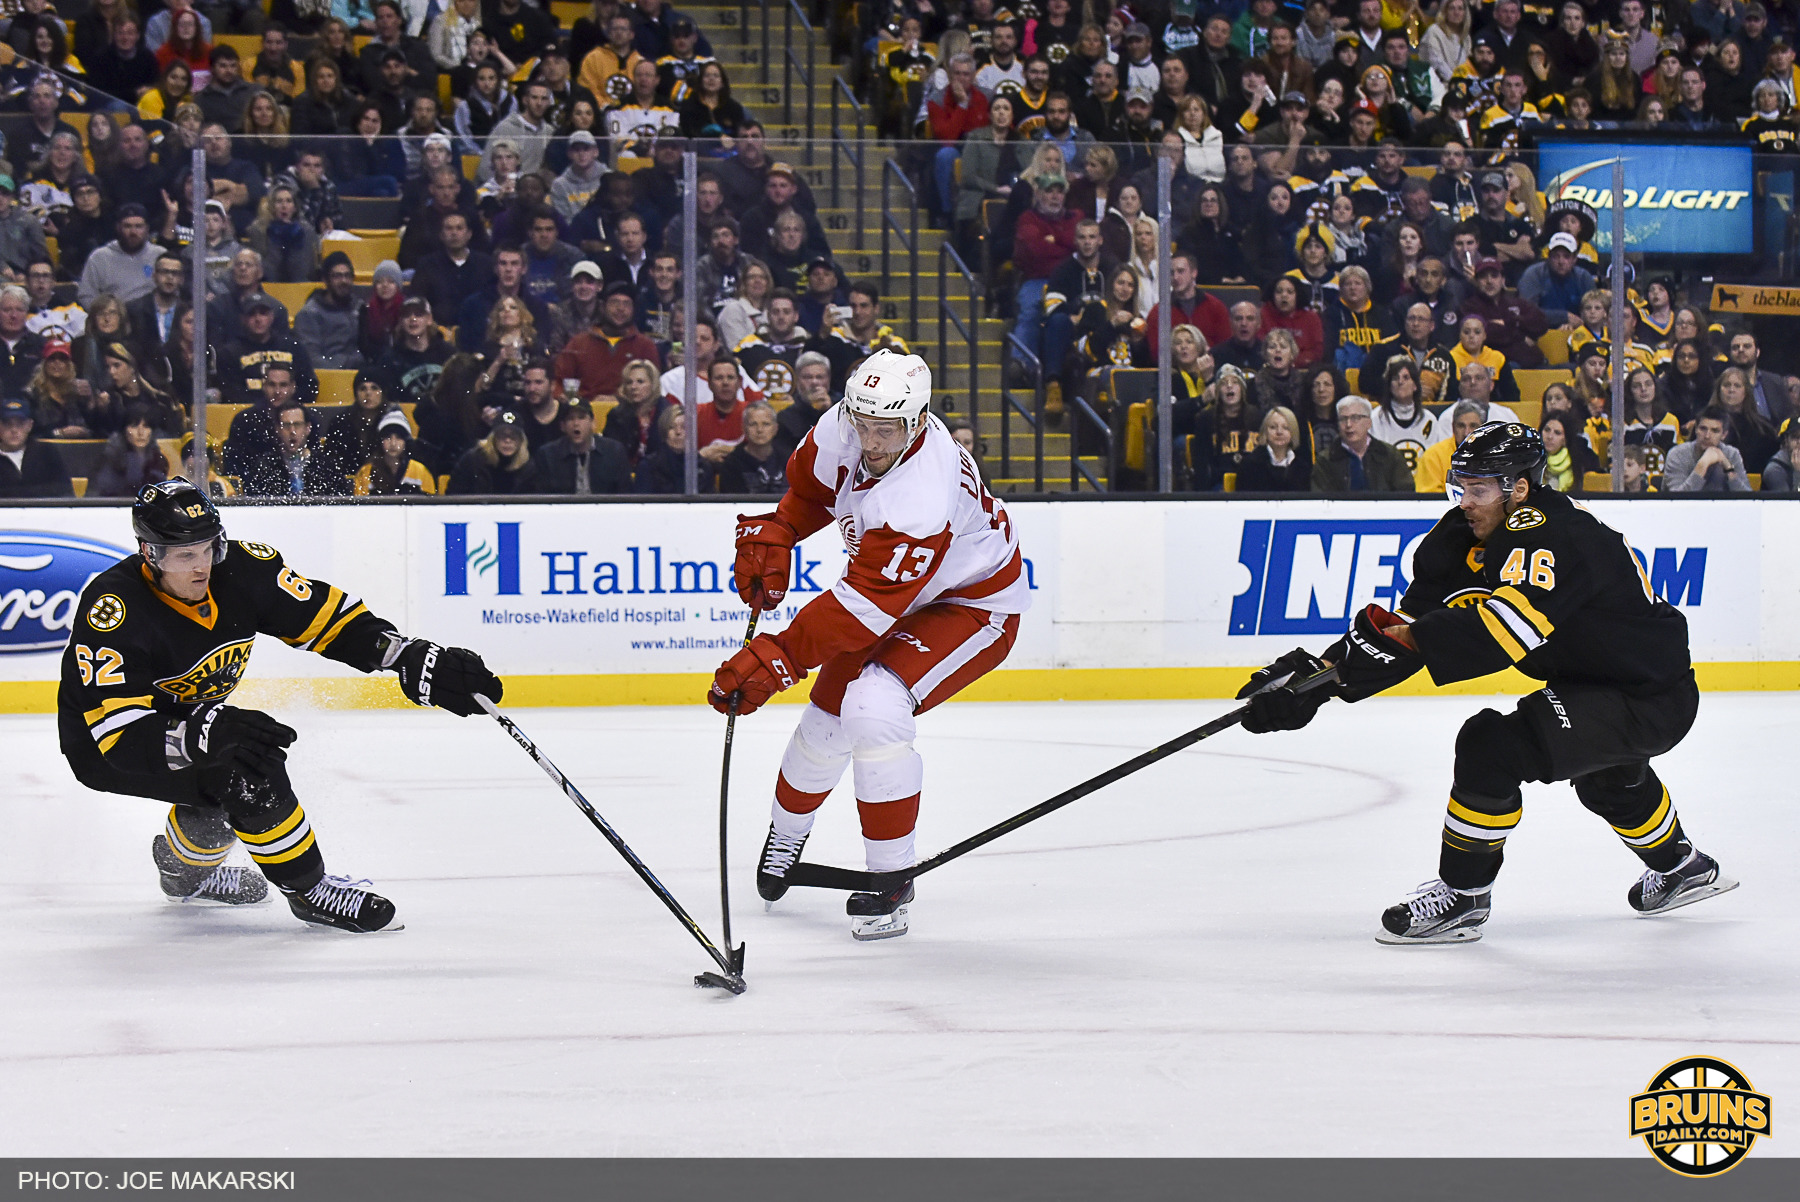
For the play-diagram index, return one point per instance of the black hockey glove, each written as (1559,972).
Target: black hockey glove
(219,735)
(1370,661)
(447,677)
(1273,703)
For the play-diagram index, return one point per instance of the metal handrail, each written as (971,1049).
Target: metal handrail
(1034,415)
(791,64)
(765,44)
(891,170)
(850,150)
(744,23)
(947,257)
(1077,469)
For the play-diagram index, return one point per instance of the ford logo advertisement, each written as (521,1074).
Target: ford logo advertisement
(41,578)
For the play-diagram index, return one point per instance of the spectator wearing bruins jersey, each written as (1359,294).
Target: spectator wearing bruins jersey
(1029,99)
(160,641)
(1768,126)
(607,69)
(1503,121)
(678,72)
(1520,575)
(769,355)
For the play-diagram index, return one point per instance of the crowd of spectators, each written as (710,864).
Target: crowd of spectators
(1352,203)
(525,338)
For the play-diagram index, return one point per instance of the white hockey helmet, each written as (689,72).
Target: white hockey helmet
(891,385)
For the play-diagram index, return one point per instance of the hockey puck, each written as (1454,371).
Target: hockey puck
(712,980)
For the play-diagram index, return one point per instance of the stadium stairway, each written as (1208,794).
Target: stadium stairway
(781,105)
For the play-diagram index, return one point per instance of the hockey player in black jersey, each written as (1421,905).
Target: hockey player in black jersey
(1518,574)
(161,639)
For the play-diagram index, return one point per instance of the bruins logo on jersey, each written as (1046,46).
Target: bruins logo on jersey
(106,613)
(618,87)
(1463,598)
(1009,88)
(1056,53)
(1525,518)
(776,379)
(213,677)
(258,550)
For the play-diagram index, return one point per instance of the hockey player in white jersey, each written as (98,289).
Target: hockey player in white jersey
(929,602)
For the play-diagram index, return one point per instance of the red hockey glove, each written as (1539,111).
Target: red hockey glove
(765,556)
(1370,659)
(757,673)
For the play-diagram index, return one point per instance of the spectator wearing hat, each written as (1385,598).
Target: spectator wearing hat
(422,130)
(152,315)
(580,463)
(352,439)
(410,365)
(83,229)
(392,471)
(65,406)
(824,303)
(580,181)
(225,308)
(1044,240)
(656,25)
(1501,235)
(447,276)
(124,267)
(721,270)
(21,233)
(28,467)
(498,465)
(580,310)
(595,357)
(243,365)
(1557,282)
(1514,324)
(329,324)
(380,314)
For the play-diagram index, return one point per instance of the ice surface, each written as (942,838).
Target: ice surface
(1182,964)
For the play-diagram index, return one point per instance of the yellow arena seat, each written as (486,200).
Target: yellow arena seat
(1555,345)
(1596,481)
(569,11)
(291,295)
(336,387)
(470,164)
(80,485)
(218,419)
(367,254)
(1533,381)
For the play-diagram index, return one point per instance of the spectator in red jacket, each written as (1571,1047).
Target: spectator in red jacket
(596,357)
(1282,310)
(960,109)
(1514,324)
(1187,304)
(1042,242)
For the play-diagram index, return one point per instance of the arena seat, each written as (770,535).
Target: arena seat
(367,254)
(371,212)
(1596,482)
(1533,381)
(336,387)
(79,484)
(218,419)
(291,295)
(1555,345)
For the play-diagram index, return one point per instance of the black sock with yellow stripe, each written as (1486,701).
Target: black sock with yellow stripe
(1636,804)
(280,841)
(199,837)
(1475,831)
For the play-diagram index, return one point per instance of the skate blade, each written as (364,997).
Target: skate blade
(1455,935)
(884,926)
(213,902)
(1723,884)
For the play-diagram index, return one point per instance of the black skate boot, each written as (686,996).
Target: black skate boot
(1694,879)
(779,853)
(1435,913)
(338,901)
(879,915)
(217,884)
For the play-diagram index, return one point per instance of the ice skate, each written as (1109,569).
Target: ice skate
(1694,879)
(1435,913)
(206,884)
(338,901)
(879,915)
(780,853)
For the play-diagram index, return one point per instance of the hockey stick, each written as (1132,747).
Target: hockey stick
(731,717)
(825,876)
(732,980)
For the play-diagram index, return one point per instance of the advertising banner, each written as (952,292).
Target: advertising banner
(1689,200)
(581,604)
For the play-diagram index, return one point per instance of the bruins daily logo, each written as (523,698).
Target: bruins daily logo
(213,677)
(1524,518)
(258,550)
(106,613)
(1699,1116)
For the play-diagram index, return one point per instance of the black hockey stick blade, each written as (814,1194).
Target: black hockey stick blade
(825,876)
(734,984)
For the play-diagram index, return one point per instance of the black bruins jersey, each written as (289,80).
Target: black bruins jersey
(1554,592)
(771,362)
(139,661)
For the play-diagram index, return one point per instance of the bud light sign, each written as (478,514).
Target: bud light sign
(41,578)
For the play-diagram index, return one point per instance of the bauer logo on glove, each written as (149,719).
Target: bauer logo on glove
(1372,658)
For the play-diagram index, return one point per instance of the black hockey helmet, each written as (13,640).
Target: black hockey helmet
(1504,449)
(173,513)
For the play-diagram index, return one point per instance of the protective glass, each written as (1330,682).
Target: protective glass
(1480,490)
(879,435)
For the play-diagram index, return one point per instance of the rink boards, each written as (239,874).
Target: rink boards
(630,604)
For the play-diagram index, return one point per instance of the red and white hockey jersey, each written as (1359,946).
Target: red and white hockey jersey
(927,531)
